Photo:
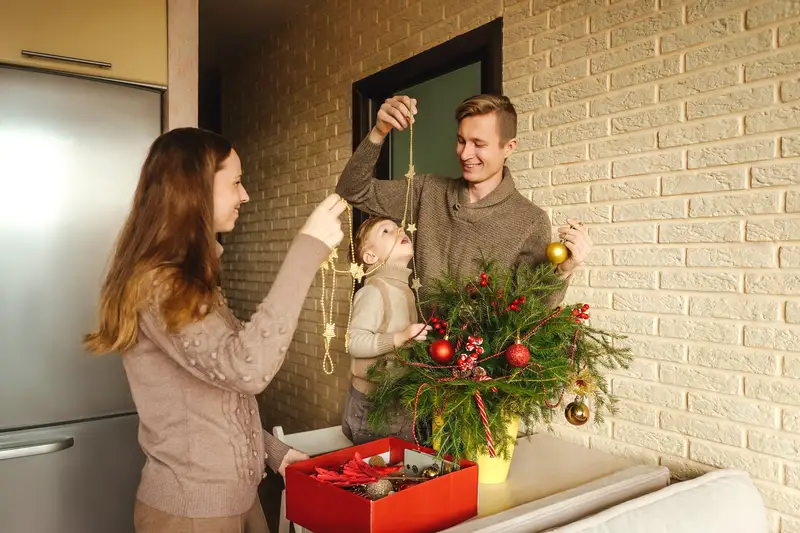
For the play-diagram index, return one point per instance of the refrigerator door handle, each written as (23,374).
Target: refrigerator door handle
(41,447)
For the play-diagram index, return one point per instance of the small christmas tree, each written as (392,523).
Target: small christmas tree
(499,352)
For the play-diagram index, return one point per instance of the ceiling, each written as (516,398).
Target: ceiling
(228,26)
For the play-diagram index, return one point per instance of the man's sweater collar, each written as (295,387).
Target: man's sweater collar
(458,197)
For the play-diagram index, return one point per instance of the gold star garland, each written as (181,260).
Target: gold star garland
(356,271)
(408,213)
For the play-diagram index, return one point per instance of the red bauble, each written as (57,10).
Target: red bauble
(518,355)
(441,351)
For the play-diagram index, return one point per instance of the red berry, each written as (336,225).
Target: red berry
(484,283)
(515,308)
(575,312)
(484,276)
(499,292)
(522,299)
(435,320)
(585,307)
(584,316)
(516,302)
(494,304)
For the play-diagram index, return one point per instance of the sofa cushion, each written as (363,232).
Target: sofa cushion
(723,501)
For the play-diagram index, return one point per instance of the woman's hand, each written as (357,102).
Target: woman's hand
(291,457)
(324,224)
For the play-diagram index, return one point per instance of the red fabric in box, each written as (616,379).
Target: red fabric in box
(431,506)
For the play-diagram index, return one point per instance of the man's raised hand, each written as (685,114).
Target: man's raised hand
(396,112)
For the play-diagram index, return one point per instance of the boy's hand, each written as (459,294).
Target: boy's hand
(416,332)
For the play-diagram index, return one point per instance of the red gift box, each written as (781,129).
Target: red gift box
(430,506)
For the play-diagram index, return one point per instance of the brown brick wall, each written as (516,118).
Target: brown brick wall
(672,126)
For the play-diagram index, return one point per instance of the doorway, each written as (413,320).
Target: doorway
(435,127)
(440,79)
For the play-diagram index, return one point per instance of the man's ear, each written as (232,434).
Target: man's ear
(370,258)
(510,147)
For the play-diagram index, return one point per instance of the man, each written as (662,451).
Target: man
(458,220)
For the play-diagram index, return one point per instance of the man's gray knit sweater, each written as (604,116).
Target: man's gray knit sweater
(452,232)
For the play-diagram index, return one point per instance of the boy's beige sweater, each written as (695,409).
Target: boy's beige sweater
(383,306)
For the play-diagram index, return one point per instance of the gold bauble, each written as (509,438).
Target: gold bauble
(378,489)
(577,413)
(557,253)
(431,472)
(377,460)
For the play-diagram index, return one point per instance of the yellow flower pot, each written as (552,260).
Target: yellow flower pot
(490,469)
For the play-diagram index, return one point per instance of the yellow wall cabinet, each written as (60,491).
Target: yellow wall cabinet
(116,39)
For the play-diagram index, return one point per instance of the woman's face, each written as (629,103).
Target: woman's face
(229,194)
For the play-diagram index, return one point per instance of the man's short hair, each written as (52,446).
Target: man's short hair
(484,104)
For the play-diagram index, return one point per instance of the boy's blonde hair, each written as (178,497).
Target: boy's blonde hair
(362,236)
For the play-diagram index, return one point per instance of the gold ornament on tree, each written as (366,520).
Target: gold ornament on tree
(356,271)
(582,383)
(577,412)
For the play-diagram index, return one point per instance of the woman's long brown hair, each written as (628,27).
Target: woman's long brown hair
(168,237)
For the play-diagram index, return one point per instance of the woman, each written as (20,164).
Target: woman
(193,368)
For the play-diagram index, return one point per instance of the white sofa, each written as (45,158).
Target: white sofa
(723,501)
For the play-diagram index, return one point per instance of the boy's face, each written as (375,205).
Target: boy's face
(380,241)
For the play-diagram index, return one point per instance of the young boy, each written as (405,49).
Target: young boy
(384,318)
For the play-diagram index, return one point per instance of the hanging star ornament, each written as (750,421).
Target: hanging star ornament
(416,284)
(330,331)
(411,172)
(411,228)
(357,271)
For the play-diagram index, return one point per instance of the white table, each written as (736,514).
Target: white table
(554,482)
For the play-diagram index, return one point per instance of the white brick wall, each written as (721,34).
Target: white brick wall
(672,127)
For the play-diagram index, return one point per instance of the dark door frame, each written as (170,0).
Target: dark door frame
(484,44)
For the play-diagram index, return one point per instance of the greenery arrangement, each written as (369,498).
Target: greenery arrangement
(499,352)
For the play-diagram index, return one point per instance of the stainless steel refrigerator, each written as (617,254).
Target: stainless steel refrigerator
(70,153)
